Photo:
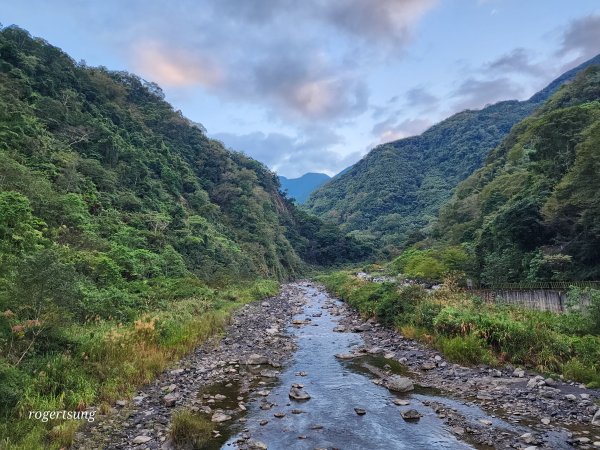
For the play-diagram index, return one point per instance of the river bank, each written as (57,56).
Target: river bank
(242,385)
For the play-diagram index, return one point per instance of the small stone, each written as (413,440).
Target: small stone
(219,417)
(545,420)
(263,422)
(596,418)
(401,402)
(121,403)
(141,440)
(220,397)
(519,373)
(411,415)
(255,360)
(340,329)
(256,445)
(170,399)
(267,373)
(316,427)
(363,327)
(298,394)
(177,371)
(360,411)
(458,430)
(345,355)
(279,415)
(429,365)
(571,397)
(485,422)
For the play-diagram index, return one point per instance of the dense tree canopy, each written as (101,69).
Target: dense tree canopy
(394,192)
(532,212)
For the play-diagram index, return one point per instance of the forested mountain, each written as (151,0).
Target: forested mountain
(397,189)
(533,210)
(300,188)
(104,184)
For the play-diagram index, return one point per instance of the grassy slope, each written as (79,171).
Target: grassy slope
(471,332)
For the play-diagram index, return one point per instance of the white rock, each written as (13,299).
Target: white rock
(219,417)
(141,439)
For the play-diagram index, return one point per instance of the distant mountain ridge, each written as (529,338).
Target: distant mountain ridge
(300,188)
(395,191)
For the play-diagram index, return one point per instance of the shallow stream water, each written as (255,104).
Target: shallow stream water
(337,387)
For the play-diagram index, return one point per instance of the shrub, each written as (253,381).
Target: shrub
(189,430)
(465,350)
(395,303)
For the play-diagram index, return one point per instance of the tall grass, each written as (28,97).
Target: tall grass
(103,361)
(469,331)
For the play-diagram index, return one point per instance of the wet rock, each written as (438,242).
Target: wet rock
(299,394)
(360,411)
(485,422)
(340,329)
(401,402)
(263,422)
(279,415)
(220,417)
(141,440)
(411,415)
(345,356)
(256,445)
(267,373)
(398,383)
(255,359)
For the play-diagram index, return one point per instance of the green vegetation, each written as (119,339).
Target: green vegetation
(190,431)
(101,361)
(533,211)
(469,331)
(394,192)
(126,236)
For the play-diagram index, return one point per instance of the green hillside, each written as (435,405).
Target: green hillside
(533,211)
(120,219)
(397,189)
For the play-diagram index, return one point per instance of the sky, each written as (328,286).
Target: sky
(313,85)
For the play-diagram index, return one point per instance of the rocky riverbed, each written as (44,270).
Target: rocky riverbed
(302,370)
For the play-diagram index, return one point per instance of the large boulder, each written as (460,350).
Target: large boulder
(397,383)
